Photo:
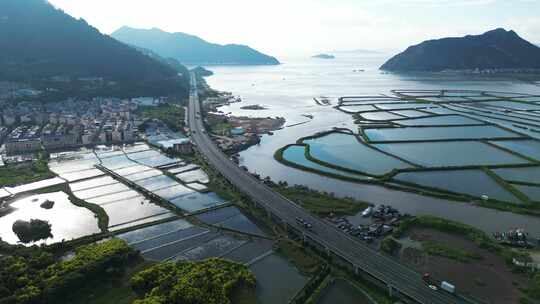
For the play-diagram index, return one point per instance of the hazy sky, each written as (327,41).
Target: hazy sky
(302,27)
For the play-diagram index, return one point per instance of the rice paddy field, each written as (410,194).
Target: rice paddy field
(474,145)
(118,181)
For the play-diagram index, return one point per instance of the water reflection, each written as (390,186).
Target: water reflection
(67,220)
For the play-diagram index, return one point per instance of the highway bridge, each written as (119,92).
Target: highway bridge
(401,280)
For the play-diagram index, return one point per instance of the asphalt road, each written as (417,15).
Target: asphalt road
(380,266)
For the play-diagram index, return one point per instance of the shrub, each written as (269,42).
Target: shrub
(209,282)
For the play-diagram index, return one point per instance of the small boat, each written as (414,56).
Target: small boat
(367,212)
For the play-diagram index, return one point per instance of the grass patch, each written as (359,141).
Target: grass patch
(27,172)
(299,256)
(171,114)
(221,128)
(321,203)
(439,249)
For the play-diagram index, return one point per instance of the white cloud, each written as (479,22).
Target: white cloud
(283,27)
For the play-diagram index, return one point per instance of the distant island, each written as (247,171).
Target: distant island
(496,50)
(359,51)
(192,50)
(253,107)
(324,56)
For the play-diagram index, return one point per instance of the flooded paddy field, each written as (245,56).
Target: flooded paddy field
(67,220)
(118,196)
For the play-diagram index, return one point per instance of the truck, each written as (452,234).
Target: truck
(434,284)
(448,287)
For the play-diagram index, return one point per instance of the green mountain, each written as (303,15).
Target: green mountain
(496,49)
(192,50)
(38,41)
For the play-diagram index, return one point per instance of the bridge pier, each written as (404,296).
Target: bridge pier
(390,291)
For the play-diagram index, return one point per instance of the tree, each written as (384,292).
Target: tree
(32,231)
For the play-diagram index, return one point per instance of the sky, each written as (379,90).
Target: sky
(288,28)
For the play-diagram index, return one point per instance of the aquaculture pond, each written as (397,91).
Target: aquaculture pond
(532,192)
(157,182)
(143,175)
(471,182)
(447,154)
(401,106)
(277,280)
(513,105)
(157,161)
(529,148)
(296,155)
(144,154)
(197,201)
(101,191)
(213,248)
(80,175)
(155,231)
(359,108)
(105,199)
(438,133)
(197,175)
(173,192)
(132,170)
(131,210)
(411,113)
(381,115)
(525,174)
(346,151)
(92,183)
(440,121)
(67,220)
(36,185)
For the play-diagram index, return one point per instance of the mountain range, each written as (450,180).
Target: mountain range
(38,41)
(192,50)
(496,49)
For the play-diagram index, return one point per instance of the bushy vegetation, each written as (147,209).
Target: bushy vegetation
(25,172)
(34,276)
(32,231)
(534,290)
(390,245)
(208,282)
(170,114)
(321,203)
(439,249)
(444,225)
